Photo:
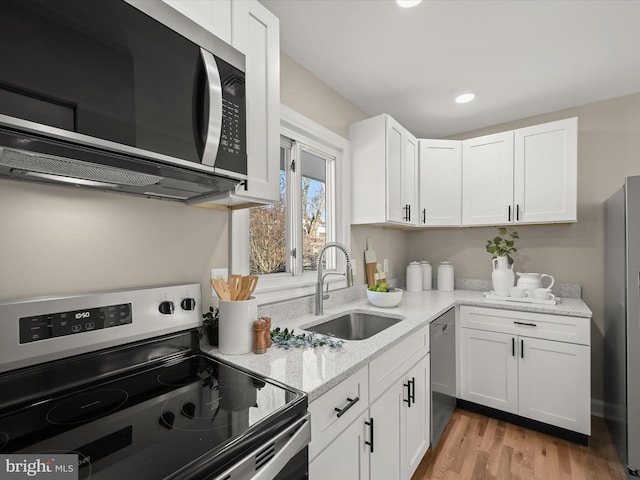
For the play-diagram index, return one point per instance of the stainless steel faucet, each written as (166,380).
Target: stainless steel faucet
(320,296)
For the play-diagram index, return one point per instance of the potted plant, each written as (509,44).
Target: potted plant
(210,326)
(503,244)
(501,247)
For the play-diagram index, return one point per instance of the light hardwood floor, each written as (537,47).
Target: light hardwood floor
(475,447)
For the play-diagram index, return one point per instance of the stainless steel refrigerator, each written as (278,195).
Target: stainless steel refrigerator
(622,322)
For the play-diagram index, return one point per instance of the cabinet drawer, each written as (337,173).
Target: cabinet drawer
(392,364)
(325,422)
(538,325)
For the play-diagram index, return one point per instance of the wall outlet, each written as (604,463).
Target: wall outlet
(385,265)
(354,270)
(218,273)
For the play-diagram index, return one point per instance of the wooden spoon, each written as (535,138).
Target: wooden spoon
(235,281)
(222,289)
(253,283)
(249,283)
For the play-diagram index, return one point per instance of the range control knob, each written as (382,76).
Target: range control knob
(167,307)
(188,304)
(167,419)
(189,410)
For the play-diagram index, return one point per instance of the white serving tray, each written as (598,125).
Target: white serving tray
(491,296)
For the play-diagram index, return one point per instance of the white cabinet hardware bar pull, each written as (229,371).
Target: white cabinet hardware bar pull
(370,423)
(408,399)
(342,411)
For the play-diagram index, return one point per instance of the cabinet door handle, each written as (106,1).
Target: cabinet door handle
(408,399)
(413,390)
(509,215)
(343,410)
(518,212)
(370,423)
(424,215)
(513,347)
(528,324)
(521,348)
(408,213)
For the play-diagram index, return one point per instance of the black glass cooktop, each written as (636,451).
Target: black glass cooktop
(146,422)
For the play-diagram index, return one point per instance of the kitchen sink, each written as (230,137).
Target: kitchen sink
(354,325)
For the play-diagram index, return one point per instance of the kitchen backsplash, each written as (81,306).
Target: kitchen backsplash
(305,305)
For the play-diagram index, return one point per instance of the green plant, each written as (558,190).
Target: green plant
(503,244)
(286,339)
(209,319)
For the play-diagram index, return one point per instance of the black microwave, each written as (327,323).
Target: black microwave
(123,96)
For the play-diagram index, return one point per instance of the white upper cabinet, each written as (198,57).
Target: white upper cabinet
(546,172)
(384,165)
(255,33)
(440,183)
(253,30)
(214,16)
(523,176)
(487,179)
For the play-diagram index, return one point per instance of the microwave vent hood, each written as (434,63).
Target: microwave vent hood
(121,96)
(131,176)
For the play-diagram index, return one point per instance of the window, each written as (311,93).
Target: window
(287,236)
(281,242)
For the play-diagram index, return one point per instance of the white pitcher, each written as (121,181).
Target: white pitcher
(531,281)
(502,276)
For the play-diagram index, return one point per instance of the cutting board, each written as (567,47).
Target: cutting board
(370,263)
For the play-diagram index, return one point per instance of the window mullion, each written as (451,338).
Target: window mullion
(295,208)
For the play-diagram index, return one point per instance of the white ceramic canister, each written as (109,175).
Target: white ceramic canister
(445,277)
(414,277)
(426,274)
(235,326)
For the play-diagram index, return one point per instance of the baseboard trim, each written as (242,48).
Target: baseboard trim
(562,433)
(597,407)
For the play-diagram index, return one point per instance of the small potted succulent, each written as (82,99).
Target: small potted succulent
(210,326)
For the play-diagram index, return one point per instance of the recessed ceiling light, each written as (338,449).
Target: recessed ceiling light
(465,97)
(408,3)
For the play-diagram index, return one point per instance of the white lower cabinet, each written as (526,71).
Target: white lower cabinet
(521,363)
(417,418)
(386,415)
(390,433)
(347,456)
(401,425)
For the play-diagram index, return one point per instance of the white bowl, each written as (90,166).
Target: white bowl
(385,299)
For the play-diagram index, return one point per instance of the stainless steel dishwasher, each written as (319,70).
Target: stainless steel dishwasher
(443,372)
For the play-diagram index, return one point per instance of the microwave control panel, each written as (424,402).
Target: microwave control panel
(52,325)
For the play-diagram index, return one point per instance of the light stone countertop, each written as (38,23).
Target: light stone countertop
(317,370)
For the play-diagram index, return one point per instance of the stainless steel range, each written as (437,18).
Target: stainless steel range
(117,379)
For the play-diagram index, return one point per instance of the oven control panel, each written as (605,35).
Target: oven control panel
(52,325)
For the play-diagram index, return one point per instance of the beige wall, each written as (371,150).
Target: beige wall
(57,240)
(307,95)
(608,151)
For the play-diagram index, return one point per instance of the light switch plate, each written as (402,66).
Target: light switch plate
(385,265)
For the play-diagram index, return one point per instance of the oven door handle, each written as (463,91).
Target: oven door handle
(300,433)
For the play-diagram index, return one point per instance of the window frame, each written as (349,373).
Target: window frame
(285,286)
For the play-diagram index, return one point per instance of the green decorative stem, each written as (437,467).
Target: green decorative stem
(287,339)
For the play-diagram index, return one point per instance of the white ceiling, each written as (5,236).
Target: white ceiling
(521,57)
